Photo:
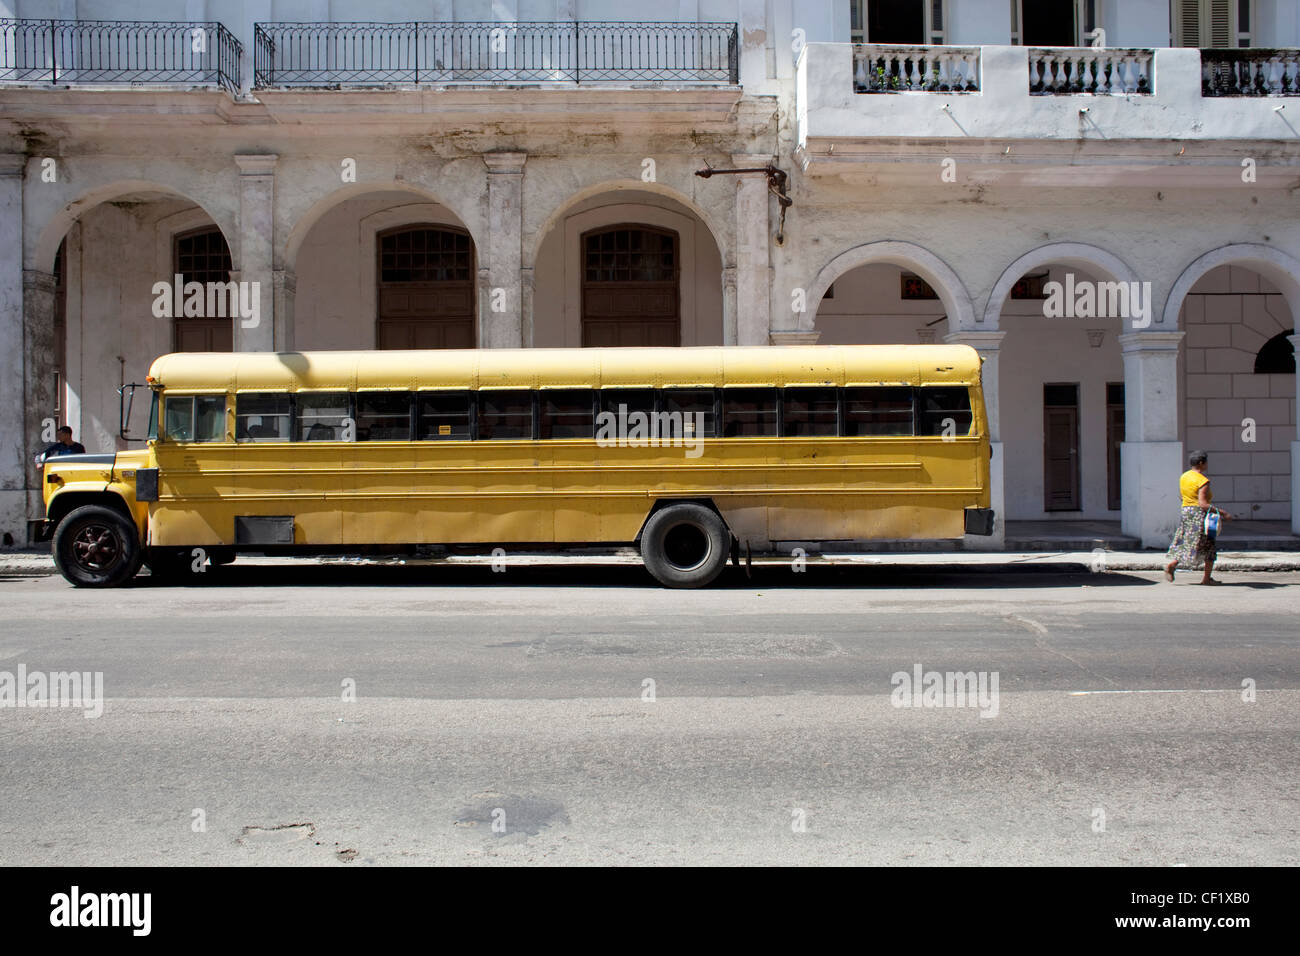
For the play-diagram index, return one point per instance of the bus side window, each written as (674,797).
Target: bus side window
(262,416)
(444,416)
(625,401)
(809,413)
(210,418)
(877,411)
(566,413)
(320,415)
(749,412)
(505,414)
(693,405)
(943,411)
(383,416)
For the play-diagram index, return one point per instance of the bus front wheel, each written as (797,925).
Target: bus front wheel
(685,545)
(97,547)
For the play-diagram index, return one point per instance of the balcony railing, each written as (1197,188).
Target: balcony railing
(364,54)
(1066,70)
(1250,72)
(118,51)
(916,69)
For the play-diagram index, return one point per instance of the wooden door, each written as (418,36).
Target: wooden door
(202,255)
(1061,447)
(426,289)
(1114,438)
(630,293)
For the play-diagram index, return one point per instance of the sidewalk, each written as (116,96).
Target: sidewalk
(40,563)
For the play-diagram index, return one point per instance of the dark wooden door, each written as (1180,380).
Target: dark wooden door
(202,255)
(1114,438)
(1061,448)
(630,293)
(426,289)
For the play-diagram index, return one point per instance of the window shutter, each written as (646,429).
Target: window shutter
(938,28)
(1187,30)
(1221,30)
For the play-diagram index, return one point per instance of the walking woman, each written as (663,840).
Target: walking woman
(1193,548)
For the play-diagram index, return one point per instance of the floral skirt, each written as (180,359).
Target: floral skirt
(1191,547)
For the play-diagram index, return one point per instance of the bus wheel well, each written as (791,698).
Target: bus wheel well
(662,503)
(69,501)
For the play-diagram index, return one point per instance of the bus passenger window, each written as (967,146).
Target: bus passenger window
(625,401)
(693,405)
(749,412)
(566,413)
(505,414)
(321,415)
(444,416)
(944,411)
(809,413)
(877,411)
(383,416)
(262,417)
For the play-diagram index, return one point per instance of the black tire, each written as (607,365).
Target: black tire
(685,545)
(174,565)
(97,547)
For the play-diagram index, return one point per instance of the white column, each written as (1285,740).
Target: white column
(989,346)
(13,462)
(501,315)
(256,248)
(1295,447)
(286,288)
(1151,456)
(753,253)
(39,291)
(729,305)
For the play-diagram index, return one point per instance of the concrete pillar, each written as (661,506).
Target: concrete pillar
(14,463)
(286,288)
(526,289)
(256,249)
(1295,447)
(1151,456)
(729,305)
(501,314)
(39,291)
(989,346)
(753,253)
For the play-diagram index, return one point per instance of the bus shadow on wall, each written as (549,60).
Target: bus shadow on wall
(761,577)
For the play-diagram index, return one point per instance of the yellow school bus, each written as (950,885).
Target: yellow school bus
(692,455)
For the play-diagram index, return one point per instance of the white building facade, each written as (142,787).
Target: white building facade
(1103,198)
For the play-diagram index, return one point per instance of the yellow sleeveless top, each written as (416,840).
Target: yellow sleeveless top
(1189,484)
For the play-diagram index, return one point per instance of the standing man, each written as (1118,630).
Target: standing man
(64,446)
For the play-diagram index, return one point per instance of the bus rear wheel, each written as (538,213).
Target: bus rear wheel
(97,547)
(685,545)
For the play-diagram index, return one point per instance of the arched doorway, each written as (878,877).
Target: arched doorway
(425,288)
(202,255)
(630,293)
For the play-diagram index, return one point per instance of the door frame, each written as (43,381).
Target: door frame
(1077,478)
(472,282)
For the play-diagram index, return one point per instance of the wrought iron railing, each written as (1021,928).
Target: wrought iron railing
(118,51)
(880,68)
(1250,72)
(360,54)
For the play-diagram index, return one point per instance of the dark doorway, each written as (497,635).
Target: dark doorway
(60,327)
(630,287)
(1049,23)
(203,256)
(896,21)
(426,289)
(1114,438)
(1061,447)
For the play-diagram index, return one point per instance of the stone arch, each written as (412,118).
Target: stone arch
(1280,268)
(287,257)
(52,233)
(952,292)
(613,187)
(1068,253)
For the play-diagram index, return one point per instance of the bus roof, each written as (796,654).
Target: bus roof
(574,368)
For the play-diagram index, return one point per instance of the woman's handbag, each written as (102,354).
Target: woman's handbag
(1212,523)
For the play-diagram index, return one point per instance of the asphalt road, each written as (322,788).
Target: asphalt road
(1118,733)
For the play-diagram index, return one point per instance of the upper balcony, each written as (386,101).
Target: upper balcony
(1064,115)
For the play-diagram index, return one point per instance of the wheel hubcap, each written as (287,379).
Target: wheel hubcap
(96,547)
